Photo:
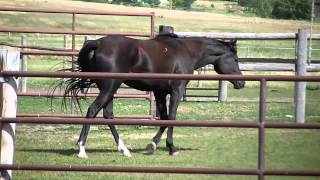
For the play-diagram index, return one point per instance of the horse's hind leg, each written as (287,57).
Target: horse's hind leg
(92,112)
(108,114)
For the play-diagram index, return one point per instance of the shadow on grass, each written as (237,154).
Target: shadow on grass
(73,151)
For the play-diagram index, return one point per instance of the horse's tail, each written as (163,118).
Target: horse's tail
(72,87)
(86,54)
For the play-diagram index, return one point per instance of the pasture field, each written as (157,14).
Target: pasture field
(196,21)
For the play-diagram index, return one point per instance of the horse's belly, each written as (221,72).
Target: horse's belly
(146,85)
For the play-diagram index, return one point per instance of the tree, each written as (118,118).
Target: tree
(292,9)
(281,9)
(152,3)
(184,4)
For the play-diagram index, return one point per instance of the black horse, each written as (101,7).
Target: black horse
(163,54)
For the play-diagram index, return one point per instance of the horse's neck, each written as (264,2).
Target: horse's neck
(208,56)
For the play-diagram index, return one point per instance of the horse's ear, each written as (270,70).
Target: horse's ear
(233,42)
(87,42)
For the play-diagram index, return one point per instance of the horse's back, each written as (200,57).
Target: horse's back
(140,56)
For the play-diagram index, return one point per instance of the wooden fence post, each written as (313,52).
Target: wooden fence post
(300,87)
(24,64)
(9,60)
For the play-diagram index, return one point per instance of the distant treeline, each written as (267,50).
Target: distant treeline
(181,4)
(279,9)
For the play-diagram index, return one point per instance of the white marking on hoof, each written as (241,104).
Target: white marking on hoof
(151,148)
(82,151)
(174,153)
(82,156)
(123,149)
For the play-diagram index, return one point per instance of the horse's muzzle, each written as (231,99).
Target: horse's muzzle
(238,84)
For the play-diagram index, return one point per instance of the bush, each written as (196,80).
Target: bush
(280,9)
(152,3)
(184,4)
(292,9)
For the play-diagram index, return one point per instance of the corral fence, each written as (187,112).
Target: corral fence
(50,51)
(261,125)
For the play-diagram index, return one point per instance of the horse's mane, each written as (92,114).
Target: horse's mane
(231,44)
(167,35)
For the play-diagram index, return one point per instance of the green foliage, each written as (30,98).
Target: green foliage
(279,9)
(127,2)
(292,9)
(152,3)
(181,4)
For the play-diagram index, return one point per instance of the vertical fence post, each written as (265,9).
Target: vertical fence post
(24,64)
(152,29)
(9,60)
(65,46)
(73,28)
(300,87)
(223,91)
(152,110)
(261,131)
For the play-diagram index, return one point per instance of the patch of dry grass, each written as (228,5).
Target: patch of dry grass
(181,20)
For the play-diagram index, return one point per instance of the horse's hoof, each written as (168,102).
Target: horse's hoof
(151,148)
(82,156)
(4,175)
(125,153)
(174,153)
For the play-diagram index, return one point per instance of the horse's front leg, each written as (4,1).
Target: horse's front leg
(92,112)
(108,114)
(162,109)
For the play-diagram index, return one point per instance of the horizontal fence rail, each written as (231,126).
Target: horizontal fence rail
(157,76)
(246,36)
(172,170)
(63,11)
(41,94)
(71,32)
(135,122)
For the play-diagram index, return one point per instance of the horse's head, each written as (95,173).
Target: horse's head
(228,63)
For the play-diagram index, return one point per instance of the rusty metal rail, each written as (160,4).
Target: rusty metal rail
(39,94)
(43,116)
(135,122)
(157,76)
(64,11)
(71,32)
(261,125)
(172,170)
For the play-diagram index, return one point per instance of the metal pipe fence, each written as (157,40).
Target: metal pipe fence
(261,125)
